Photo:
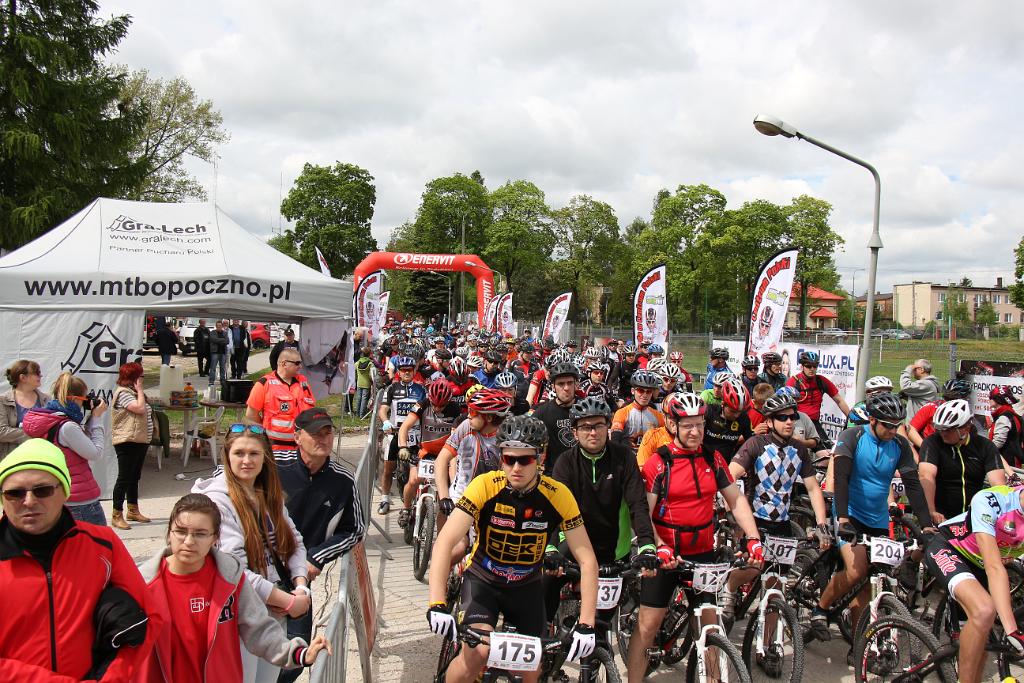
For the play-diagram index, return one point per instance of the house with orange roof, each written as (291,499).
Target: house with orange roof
(822,308)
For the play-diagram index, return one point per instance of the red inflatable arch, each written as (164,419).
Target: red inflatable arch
(469,263)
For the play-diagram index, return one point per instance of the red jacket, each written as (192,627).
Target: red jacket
(46,424)
(87,559)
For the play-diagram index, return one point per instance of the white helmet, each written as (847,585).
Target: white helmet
(657,366)
(474,362)
(952,414)
(461,351)
(592,353)
(721,378)
(878,382)
(670,371)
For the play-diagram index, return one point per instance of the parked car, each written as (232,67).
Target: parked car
(834,333)
(917,334)
(260,334)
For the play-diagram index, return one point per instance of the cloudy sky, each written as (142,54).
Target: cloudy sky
(618,100)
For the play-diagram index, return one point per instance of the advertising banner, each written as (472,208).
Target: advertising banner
(771,301)
(327,352)
(838,362)
(491,315)
(324,268)
(650,308)
(382,315)
(558,311)
(984,375)
(506,325)
(367,302)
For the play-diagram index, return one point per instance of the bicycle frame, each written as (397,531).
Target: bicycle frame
(762,609)
(700,643)
(423,492)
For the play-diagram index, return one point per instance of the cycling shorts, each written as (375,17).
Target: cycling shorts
(862,530)
(394,448)
(766,527)
(522,606)
(950,567)
(657,591)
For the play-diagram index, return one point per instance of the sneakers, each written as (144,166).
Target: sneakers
(403,518)
(385,506)
(819,624)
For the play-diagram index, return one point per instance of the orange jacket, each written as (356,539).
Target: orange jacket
(280,403)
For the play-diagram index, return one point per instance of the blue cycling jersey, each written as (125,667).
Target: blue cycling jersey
(712,371)
(487,381)
(874,462)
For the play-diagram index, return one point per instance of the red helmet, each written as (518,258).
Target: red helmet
(734,395)
(684,405)
(1002,395)
(490,401)
(439,393)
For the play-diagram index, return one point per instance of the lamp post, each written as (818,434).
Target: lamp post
(771,126)
(462,276)
(853,291)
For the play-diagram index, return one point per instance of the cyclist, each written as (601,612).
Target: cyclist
(750,376)
(866,458)
(676,359)
(629,364)
(606,483)
(681,481)
(812,388)
(713,395)
(773,374)
(493,361)
(399,399)
(507,383)
(773,464)
(540,383)
(718,362)
(726,424)
(670,376)
(631,422)
(955,461)
(655,352)
(659,436)
(762,392)
(555,414)
(1007,429)
(920,426)
(967,556)
(878,384)
(460,381)
(524,368)
(431,418)
(512,511)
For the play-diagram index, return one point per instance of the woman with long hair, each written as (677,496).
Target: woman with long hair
(24,377)
(131,431)
(62,421)
(207,606)
(257,530)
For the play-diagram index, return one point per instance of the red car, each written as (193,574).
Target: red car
(260,334)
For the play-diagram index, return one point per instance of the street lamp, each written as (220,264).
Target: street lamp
(853,290)
(771,126)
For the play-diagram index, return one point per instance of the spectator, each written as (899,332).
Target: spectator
(54,573)
(131,432)
(166,341)
(289,342)
(1007,427)
(918,386)
(240,343)
(364,382)
(201,340)
(219,341)
(62,421)
(322,501)
(277,399)
(201,591)
(24,377)
(256,529)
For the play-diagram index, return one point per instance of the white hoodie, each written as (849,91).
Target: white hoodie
(232,540)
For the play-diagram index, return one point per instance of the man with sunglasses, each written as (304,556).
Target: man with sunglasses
(277,399)
(513,512)
(399,399)
(53,574)
(812,389)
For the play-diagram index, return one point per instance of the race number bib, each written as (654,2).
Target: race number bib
(413,437)
(898,489)
(514,652)
(400,409)
(608,592)
(425,470)
(779,549)
(710,578)
(886,551)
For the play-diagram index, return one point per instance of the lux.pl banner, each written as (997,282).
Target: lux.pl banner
(771,301)
(558,311)
(89,344)
(650,308)
(838,363)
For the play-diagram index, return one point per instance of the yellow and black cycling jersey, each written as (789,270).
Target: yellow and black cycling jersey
(512,530)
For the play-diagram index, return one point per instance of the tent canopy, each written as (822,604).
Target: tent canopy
(169,259)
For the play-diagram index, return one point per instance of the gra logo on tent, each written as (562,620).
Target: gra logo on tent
(99,351)
(126,224)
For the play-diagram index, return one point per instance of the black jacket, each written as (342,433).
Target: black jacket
(218,341)
(201,340)
(602,488)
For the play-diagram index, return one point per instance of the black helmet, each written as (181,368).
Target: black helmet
(591,406)
(956,388)
(523,431)
(493,356)
(751,362)
(809,358)
(563,370)
(778,403)
(443,354)
(771,358)
(525,347)
(886,407)
(720,352)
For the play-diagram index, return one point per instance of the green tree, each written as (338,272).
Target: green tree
(428,294)
(448,204)
(519,238)
(810,232)
(178,126)
(332,208)
(65,132)
(588,243)
(986,314)
(1017,288)
(956,308)
(966,282)
(285,243)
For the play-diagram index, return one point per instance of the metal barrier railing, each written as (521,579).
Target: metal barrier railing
(333,669)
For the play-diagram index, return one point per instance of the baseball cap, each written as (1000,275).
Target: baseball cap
(313,420)
(37,454)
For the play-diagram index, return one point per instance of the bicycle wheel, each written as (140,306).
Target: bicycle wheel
(677,620)
(895,647)
(722,662)
(449,649)
(888,606)
(784,656)
(424,545)
(602,668)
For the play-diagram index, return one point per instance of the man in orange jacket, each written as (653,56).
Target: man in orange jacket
(278,398)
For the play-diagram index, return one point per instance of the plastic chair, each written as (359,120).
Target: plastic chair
(194,435)
(161,437)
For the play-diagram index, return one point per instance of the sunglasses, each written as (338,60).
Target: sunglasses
(521,460)
(43,491)
(890,425)
(788,417)
(293,362)
(238,428)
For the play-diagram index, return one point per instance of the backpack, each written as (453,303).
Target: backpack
(660,490)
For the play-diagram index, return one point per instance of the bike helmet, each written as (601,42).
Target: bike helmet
(629,348)
(525,347)
(952,414)
(571,344)
(956,388)
(666,403)
(493,356)
(591,406)
(549,342)
(461,351)
(719,353)
(474,362)
(685,405)
(442,354)
(563,370)
(734,395)
(592,353)
(751,362)
(439,393)
(490,402)
(878,383)
(458,367)
(404,362)
(809,358)
(859,414)
(600,366)
(721,378)
(676,356)
(579,361)
(655,349)
(670,371)
(1002,395)
(788,391)
(555,357)
(645,379)
(771,358)
(656,365)
(505,380)
(777,403)
(886,407)
(523,431)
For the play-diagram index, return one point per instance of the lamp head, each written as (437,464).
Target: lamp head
(771,126)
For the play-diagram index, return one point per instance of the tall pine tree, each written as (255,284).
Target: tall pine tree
(64,131)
